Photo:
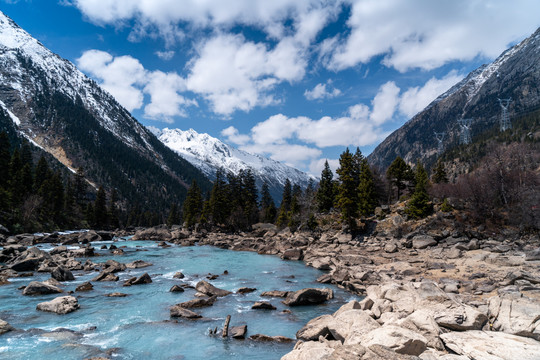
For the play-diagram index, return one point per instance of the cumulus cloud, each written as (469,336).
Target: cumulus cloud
(420,34)
(235,74)
(321,92)
(417,98)
(384,103)
(316,166)
(233,135)
(127,80)
(165,55)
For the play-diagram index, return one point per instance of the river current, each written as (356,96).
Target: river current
(138,326)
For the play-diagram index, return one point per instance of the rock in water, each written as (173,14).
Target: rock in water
(195,303)
(266,338)
(210,290)
(5,327)
(487,345)
(309,296)
(238,332)
(59,305)
(60,273)
(179,311)
(275,293)
(265,305)
(176,288)
(87,286)
(137,264)
(245,290)
(39,288)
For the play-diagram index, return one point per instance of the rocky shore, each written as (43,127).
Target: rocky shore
(431,289)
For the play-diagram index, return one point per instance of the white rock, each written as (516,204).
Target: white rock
(59,305)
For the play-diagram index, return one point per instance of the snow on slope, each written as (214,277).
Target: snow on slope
(61,75)
(208,154)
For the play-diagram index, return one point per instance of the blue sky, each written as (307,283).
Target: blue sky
(295,80)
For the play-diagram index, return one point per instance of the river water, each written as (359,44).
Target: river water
(138,326)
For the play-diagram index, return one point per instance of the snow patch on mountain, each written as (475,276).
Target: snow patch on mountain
(209,154)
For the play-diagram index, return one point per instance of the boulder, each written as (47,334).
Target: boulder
(143,279)
(515,314)
(491,345)
(137,264)
(113,266)
(264,305)
(29,264)
(210,290)
(116,294)
(59,305)
(292,254)
(60,273)
(423,241)
(308,296)
(89,236)
(105,276)
(310,350)
(196,303)
(86,286)
(266,338)
(238,332)
(422,322)
(245,290)
(5,327)
(179,311)
(315,328)
(275,293)
(40,288)
(401,340)
(58,250)
(176,288)
(350,325)
(155,233)
(178,275)
(391,247)
(460,318)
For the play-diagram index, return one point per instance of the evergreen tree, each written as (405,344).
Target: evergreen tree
(367,194)
(419,205)
(268,208)
(347,197)
(398,173)
(16,186)
(42,173)
(219,203)
(113,211)
(325,194)
(80,186)
(100,209)
(439,173)
(192,206)
(173,215)
(249,196)
(57,198)
(285,206)
(4,160)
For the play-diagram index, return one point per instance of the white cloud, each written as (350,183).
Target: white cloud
(385,103)
(321,92)
(235,74)
(426,35)
(121,76)
(292,154)
(127,80)
(154,130)
(415,99)
(232,134)
(165,55)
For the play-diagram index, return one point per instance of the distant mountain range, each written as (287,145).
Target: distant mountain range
(209,154)
(65,113)
(515,75)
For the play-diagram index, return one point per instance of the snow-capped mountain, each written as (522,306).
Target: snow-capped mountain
(514,74)
(62,111)
(208,154)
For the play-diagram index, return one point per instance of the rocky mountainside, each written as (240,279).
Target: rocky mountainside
(514,74)
(62,111)
(209,154)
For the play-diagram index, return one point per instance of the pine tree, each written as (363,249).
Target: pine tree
(419,205)
(4,160)
(16,186)
(42,173)
(398,173)
(113,211)
(325,194)
(173,215)
(249,196)
(347,197)
(268,208)
(193,205)
(439,173)
(219,204)
(367,195)
(80,186)
(285,206)
(100,209)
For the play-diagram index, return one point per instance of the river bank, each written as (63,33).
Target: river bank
(432,292)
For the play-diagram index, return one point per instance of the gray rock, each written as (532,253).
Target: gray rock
(266,338)
(515,314)
(315,328)
(491,345)
(5,327)
(391,247)
(245,290)
(400,340)
(423,241)
(292,254)
(40,288)
(196,303)
(59,305)
(350,326)
(276,293)
(238,332)
(143,279)
(60,273)
(86,286)
(308,296)
(210,290)
(137,264)
(176,288)
(179,311)
(460,318)
(263,305)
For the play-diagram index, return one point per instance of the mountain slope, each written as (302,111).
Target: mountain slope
(67,114)
(209,154)
(514,74)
